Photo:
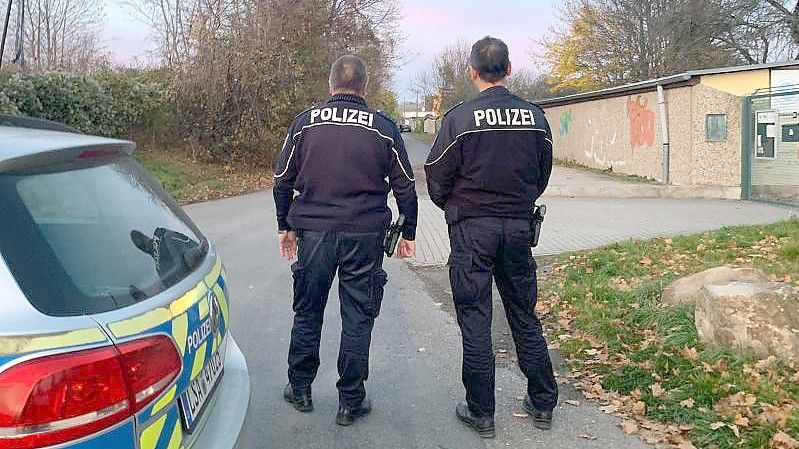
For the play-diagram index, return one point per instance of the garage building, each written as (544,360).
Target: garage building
(728,133)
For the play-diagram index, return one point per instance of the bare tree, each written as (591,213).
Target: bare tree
(756,33)
(60,34)
(530,85)
(786,16)
(611,42)
(452,74)
(179,26)
(244,68)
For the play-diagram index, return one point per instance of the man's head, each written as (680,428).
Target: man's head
(348,76)
(489,62)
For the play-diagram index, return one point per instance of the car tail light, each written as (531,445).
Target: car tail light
(150,366)
(64,397)
(91,154)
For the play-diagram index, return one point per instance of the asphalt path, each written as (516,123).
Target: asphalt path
(418,149)
(415,360)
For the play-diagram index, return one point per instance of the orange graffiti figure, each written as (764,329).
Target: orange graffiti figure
(642,122)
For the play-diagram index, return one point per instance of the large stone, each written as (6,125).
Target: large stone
(752,319)
(688,289)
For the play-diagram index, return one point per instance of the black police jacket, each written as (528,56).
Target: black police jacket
(343,158)
(491,158)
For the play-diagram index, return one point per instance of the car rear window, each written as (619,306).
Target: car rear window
(95,238)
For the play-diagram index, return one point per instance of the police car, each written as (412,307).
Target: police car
(114,310)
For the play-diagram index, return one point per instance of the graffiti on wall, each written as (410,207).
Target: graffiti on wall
(565,122)
(642,122)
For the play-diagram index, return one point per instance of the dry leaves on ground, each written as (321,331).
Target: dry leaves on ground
(782,440)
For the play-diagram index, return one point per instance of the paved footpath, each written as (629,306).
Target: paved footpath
(414,390)
(574,224)
(415,360)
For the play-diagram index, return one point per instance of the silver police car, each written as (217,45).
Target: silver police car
(114,309)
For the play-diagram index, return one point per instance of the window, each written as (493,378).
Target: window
(766,134)
(716,127)
(94,239)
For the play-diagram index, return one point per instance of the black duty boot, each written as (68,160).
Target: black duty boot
(483,425)
(346,415)
(301,399)
(541,420)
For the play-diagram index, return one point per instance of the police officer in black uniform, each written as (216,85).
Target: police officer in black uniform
(342,158)
(489,164)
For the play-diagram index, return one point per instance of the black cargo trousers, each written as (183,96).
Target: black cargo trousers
(358,258)
(488,247)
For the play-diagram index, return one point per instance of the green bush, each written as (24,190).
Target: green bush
(110,104)
(7,106)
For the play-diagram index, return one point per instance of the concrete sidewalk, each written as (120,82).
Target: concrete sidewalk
(574,224)
(588,210)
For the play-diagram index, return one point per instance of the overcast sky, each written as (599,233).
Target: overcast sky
(428,26)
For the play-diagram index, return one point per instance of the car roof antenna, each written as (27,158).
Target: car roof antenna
(5,32)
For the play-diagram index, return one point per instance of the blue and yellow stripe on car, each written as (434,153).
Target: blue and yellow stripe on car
(22,344)
(160,423)
(14,347)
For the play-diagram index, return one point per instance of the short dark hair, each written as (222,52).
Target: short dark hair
(349,72)
(491,59)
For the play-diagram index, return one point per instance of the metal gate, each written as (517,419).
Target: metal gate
(770,144)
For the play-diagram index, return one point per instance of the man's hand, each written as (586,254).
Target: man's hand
(406,249)
(288,245)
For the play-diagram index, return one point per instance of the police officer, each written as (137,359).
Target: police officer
(490,162)
(342,158)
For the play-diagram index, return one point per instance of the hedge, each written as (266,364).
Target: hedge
(110,104)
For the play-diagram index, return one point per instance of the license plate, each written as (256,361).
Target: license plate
(193,400)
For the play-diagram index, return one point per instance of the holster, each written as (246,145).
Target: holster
(393,235)
(536,221)
(535,229)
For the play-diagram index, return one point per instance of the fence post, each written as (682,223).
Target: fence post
(746,148)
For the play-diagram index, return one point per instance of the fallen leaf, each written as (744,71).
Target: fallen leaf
(520,414)
(646,261)
(422,349)
(572,402)
(657,390)
(782,440)
(639,408)
(690,353)
(688,403)
(773,415)
(585,436)
(610,409)
(717,425)
(742,421)
(629,427)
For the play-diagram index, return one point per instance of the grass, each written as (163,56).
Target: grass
(191,181)
(609,172)
(626,348)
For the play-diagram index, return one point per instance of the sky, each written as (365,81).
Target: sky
(428,26)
